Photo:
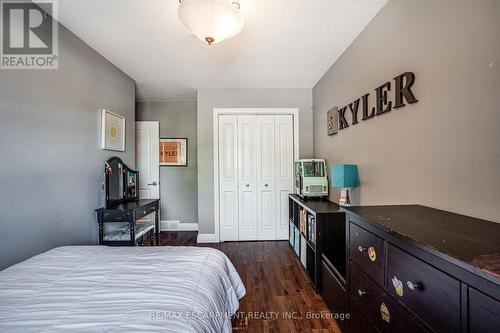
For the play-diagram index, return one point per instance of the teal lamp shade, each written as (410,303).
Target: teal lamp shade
(345,175)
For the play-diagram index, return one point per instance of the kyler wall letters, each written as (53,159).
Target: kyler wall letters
(359,109)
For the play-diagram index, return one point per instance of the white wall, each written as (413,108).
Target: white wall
(443,151)
(241,98)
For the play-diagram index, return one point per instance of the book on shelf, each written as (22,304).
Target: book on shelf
(311,229)
(302,224)
(314,233)
(303,251)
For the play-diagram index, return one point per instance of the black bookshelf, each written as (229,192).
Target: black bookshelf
(319,237)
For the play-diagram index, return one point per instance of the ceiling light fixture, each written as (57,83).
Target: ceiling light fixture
(211,21)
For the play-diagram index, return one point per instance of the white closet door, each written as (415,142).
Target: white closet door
(284,171)
(266,174)
(247,171)
(228,177)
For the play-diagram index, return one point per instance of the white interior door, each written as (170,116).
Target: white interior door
(284,139)
(247,178)
(266,174)
(228,177)
(147,141)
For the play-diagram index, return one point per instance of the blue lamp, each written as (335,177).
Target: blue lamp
(345,176)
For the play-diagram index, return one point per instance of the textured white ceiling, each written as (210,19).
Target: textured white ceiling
(284,44)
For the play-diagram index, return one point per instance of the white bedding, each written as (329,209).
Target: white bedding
(125,289)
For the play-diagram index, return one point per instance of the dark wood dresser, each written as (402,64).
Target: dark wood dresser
(412,268)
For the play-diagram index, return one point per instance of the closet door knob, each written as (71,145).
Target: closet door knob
(266,185)
(247,185)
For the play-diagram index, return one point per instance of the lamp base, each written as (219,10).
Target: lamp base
(345,200)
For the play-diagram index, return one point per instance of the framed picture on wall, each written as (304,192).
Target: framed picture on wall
(332,121)
(173,152)
(112,131)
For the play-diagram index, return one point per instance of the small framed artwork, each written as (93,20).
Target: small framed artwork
(173,152)
(112,131)
(332,121)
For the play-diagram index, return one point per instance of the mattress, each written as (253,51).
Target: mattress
(120,289)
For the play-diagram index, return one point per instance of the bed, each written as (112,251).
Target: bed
(120,289)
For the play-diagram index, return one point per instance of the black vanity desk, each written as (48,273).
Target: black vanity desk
(123,208)
(128,212)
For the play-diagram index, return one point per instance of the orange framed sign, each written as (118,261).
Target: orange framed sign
(173,152)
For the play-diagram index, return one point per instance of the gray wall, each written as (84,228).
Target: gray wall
(51,167)
(241,98)
(443,151)
(178,185)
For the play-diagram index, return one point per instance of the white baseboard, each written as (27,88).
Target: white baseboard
(178,226)
(207,238)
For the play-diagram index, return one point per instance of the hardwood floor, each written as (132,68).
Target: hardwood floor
(279,296)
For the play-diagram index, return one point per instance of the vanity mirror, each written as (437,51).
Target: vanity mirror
(121,182)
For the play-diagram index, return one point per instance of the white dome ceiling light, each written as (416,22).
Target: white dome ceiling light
(211,21)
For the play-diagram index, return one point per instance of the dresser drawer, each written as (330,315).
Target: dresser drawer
(385,313)
(332,290)
(484,313)
(433,295)
(358,322)
(368,251)
(146,211)
(333,293)
(117,216)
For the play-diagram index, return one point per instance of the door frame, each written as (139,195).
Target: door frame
(294,112)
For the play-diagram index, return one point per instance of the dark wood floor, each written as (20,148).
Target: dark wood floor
(279,296)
